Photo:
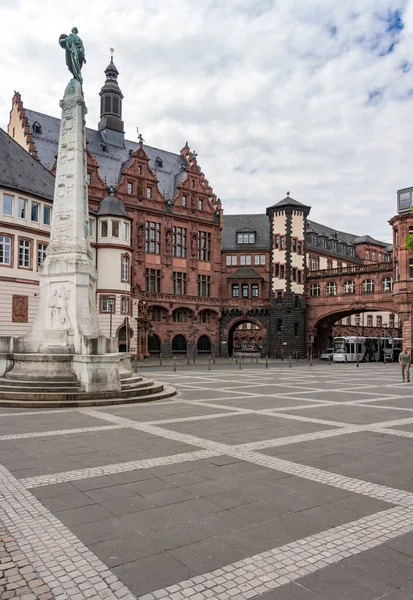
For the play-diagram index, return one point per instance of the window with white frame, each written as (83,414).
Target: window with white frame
(125,229)
(125,304)
(262,259)
(22,211)
(331,288)
(130,187)
(256,259)
(35,212)
(7,205)
(115,229)
(367,287)
(5,250)
(108,303)
(47,215)
(41,253)
(24,254)
(125,267)
(314,290)
(90,227)
(103,229)
(228,260)
(350,287)
(387,284)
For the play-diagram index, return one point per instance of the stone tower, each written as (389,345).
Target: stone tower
(288,274)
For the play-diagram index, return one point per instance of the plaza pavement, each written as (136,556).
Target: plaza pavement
(276,484)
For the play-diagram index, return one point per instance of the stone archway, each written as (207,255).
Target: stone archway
(229,330)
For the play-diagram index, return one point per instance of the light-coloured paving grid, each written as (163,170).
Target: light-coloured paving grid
(57,554)
(268,570)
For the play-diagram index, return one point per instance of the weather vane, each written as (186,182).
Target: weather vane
(112,50)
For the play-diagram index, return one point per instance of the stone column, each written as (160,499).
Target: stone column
(67,320)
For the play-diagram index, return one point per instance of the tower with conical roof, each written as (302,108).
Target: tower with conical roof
(111,125)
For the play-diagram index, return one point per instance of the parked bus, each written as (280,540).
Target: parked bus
(368,349)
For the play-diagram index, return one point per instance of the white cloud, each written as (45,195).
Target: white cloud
(272,95)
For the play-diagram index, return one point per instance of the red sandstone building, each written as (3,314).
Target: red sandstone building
(174,275)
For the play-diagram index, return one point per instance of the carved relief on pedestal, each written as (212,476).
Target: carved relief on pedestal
(58,304)
(20,309)
(63,226)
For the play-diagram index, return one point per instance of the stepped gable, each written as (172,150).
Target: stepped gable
(169,167)
(21,171)
(238,223)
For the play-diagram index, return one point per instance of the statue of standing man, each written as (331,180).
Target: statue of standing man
(75,53)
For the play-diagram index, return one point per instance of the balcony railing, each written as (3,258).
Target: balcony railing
(184,299)
(351,270)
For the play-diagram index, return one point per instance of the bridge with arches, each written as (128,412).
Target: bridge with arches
(333,294)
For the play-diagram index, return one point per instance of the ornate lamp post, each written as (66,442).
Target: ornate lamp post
(111,303)
(357,319)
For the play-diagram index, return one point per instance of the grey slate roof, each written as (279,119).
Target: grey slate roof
(288,201)
(114,160)
(245,273)
(20,171)
(112,206)
(258,223)
(367,239)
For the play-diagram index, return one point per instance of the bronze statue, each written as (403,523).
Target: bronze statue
(75,53)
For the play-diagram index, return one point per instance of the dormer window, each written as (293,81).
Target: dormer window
(130,187)
(37,128)
(159,162)
(103,147)
(246,238)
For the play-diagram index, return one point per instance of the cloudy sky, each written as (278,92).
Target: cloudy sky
(315,97)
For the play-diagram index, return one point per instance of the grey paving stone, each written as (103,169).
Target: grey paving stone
(176,535)
(292,591)
(168,496)
(221,523)
(125,549)
(153,572)
(404,593)
(206,555)
(257,512)
(126,506)
(403,544)
(100,531)
(230,499)
(84,514)
(94,483)
(67,502)
(341,582)
(386,564)
(363,504)
(52,491)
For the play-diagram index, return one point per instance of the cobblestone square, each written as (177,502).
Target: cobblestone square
(280,483)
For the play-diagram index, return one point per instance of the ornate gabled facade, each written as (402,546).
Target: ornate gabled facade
(174,275)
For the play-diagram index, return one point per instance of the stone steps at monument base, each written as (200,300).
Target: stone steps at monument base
(39,384)
(155,391)
(68,394)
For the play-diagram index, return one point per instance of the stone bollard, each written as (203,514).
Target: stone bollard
(256,359)
(175,364)
(330,360)
(160,359)
(209,363)
(240,364)
(266,361)
(187,359)
(289,361)
(213,358)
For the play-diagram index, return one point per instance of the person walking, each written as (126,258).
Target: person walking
(404,360)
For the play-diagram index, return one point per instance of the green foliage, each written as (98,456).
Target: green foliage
(409,242)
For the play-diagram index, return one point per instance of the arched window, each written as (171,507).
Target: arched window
(253,342)
(331,288)
(315,290)
(235,290)
(367,287)
(387,284)
(154,343)
(349,287)
(179,345)
(204,344)
(244,342)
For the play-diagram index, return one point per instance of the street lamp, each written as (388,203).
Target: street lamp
(111,303)
(357,319)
